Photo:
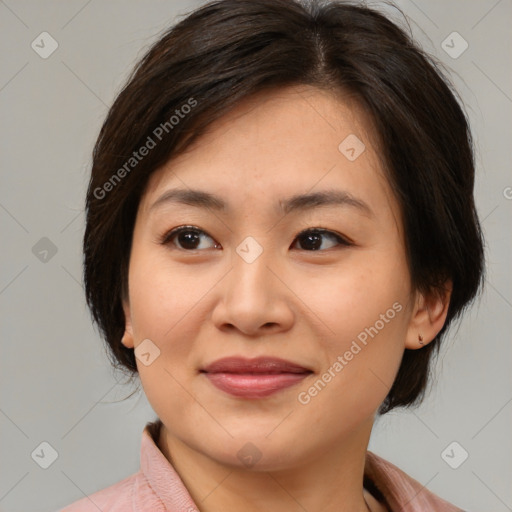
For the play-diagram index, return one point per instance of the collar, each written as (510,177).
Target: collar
(399,491)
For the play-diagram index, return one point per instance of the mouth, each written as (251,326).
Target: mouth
(254,378)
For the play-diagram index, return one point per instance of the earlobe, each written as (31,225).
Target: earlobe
(428,317)
(127,339)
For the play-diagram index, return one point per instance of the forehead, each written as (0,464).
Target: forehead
(277,144)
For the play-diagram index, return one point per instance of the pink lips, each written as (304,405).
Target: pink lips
(254,378)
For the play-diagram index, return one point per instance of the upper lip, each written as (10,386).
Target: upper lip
(256,365)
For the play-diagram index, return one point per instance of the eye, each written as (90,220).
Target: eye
(187,238)
(311,239)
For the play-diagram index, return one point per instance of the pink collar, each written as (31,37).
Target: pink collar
(401,492)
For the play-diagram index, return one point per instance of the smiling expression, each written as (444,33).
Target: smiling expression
(266,240)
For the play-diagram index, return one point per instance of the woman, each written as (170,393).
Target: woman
(280,229)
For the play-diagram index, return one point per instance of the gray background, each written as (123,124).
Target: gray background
(56,382)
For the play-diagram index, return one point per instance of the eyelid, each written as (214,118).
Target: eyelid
(342,239)
(166,237)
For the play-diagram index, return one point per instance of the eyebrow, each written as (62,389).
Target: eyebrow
(298,202)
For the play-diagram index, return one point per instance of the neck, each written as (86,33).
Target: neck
(331,481)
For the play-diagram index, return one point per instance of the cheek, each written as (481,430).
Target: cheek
(162,295)
(364,292)
(360,364)
(367,312)
(168,305)
(164,301)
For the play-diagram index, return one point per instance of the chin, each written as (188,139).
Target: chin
(254,449)
(255,457)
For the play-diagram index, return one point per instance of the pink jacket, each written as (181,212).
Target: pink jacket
(156,487)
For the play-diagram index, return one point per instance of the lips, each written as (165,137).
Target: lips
(254,378)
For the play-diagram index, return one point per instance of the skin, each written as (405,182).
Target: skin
(292,302)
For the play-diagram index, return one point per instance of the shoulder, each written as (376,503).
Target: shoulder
(400,491)
(116,498)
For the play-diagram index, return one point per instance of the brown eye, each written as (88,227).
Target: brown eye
(313,239)
(188,238)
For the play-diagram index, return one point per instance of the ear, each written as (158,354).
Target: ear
(428,317)
(127,339)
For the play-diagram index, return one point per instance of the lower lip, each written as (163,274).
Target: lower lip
(254,385)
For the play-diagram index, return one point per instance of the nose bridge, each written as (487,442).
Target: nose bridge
(252,296)
(250,268)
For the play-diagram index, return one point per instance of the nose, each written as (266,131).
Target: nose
(254,298)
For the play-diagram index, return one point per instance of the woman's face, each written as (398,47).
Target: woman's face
(254,279)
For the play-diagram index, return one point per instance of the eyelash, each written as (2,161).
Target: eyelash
(168,236)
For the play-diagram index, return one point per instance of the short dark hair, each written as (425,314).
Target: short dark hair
(228,50)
